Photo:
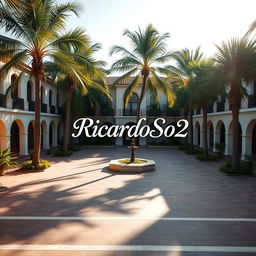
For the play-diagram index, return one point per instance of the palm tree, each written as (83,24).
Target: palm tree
(91,76)
(252,27)
(186,62)
(38,31)
(148,48)
(204,90)
(237,61)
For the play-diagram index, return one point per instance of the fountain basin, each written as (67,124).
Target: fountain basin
(141,165)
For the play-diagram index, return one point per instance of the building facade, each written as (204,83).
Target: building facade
(17,115)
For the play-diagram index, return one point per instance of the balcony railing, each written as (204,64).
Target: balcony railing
(252,101)
(43,108)
(31,106)
(107,112)
(52,109)
(59,110)
(154,112)
(172,112)
(18,103)
(210,108)
(198,111)
(129,112)
(2,101)
(220,106)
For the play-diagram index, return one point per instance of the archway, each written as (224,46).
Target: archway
(15,138)
(60,133)
(231,139)
(126,139)
(210,135)
(3,134)
(44,142)
(52,134)
(31,135)
(254,140)
(131,109)
(198,135)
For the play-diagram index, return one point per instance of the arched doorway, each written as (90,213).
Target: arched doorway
(52,131)
(15,138)
(210,134)
(126,139)
(30,136)
(231,139)
(222,134)
(198,135)
(3,138)
(43,135)
(131,109)
(254,140)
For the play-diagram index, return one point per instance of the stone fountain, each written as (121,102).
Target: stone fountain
(132,165)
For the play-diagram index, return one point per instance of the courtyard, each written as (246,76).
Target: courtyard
(78,207)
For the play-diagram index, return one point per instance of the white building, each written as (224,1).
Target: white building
(17,115)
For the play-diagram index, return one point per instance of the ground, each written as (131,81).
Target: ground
(185,204)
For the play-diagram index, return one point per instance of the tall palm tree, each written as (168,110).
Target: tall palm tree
(186,63)
(38,31)
(148,48)
(252,27)
(91,76)
(204,90)
(237,61)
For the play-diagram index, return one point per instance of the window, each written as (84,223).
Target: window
(131,109)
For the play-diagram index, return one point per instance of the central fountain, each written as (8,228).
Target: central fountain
(132,165)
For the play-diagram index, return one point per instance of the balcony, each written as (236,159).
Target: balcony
(154,112)
(198,111)
(172,112)
(2,101)
(52,109)
(107,112)
(252,101)
(59,110)
(18,103)
(210,108)
(43,108)
(130,112)
(31,106)
(220,106)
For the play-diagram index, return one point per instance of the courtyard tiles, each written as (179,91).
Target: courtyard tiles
(124,209)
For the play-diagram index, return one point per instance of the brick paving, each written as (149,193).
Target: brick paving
(82,186)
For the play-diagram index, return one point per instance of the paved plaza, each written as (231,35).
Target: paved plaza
(77,207)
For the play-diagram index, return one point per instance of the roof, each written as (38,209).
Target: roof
(112,79)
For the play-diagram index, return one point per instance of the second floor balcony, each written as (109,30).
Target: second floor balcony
(43,108)
(252,101)
(18,103)
(52,109)
(220,106)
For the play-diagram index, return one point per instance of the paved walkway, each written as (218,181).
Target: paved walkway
(184,208)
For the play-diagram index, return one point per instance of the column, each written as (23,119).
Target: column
(23,144)
(229,144)
(246,145)
(46,140)
(215,137)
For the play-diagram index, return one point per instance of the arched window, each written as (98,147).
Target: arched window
(50,97)
(29,91)
(131,109)
(15,90)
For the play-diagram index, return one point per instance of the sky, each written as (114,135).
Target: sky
(191,23)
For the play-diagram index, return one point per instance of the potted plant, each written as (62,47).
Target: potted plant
(6,160)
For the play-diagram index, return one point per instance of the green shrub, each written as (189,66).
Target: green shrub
(194,151)
(201,157)
(183,147)
(27,165)
(245,168)
(62,153)
(6,160)
(75,148)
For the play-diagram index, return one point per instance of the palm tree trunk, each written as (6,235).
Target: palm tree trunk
(205,139)
(141,97)
(235,136)
(37,128)
(67,120)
